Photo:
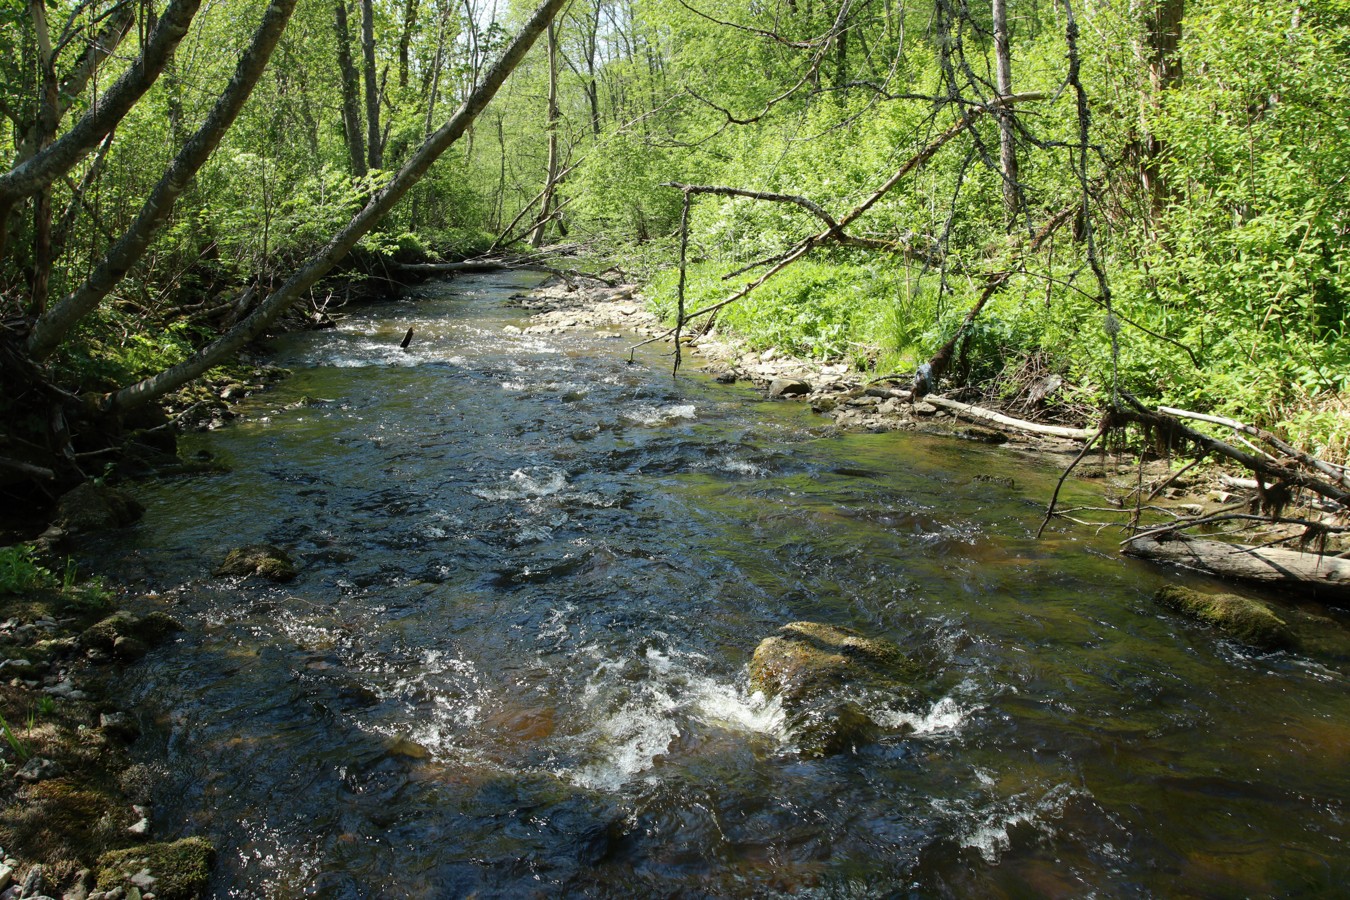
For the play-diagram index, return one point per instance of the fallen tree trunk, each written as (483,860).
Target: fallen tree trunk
(979,414)
(1325,575)
(520,264)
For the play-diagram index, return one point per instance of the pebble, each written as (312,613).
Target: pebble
(39,769)
(6,876)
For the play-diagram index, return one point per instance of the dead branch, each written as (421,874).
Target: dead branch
(979,414)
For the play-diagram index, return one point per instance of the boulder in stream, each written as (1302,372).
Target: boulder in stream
(1243,619)
(96,507)
(820,672)
(270,562)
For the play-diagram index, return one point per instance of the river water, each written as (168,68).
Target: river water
(532,577)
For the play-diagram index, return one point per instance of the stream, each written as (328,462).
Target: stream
(532,577)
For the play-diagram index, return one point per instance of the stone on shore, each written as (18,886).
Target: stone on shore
(96,507)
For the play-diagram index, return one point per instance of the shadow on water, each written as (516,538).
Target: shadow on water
(532,577)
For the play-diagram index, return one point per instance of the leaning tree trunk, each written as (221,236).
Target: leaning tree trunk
(61,156)
(52,328)
(412,171)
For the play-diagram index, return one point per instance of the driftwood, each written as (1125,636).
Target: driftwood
(979,414)
(493,264)
(1326,575)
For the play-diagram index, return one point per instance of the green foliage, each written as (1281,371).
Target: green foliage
(20,571)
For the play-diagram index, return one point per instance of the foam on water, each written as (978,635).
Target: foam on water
(647,414)
(631,731)
(946,716)
(525,484)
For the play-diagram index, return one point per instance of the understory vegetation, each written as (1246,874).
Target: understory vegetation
(1151,196)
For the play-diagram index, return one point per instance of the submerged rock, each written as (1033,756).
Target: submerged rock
(96,507)
(175,871)
(1243,619)
(818,672)
(270,562)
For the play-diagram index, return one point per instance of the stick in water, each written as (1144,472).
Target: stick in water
(407,339)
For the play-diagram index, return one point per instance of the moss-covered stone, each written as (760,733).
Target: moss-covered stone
(1246,620)
(265,560)
(96,507)
(818,672)
(174,871)
(129,636)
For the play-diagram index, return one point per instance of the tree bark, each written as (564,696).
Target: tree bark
(351,105)
(379,205)
(54,161)
(1326,575)
(48,115)
(405,40)
(1007,147)
(551,175)
(1163,59)
(374,142)
(114,30)
(52,328)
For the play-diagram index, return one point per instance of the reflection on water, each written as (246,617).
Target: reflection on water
(532,577)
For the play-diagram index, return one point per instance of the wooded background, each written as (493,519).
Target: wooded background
(1157,187)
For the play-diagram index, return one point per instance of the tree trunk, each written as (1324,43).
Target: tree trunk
(537,238)
(379,205)
(351,105)
(52,328)
(1007,147)
(405,40)
(374,143)
(1163,59)
(48,114)
(1325,575)
(61,156)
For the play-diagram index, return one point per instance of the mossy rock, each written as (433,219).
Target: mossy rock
(818,672)
(175,871)
(128,635)
(1248,621)
(265,560)
(96,507)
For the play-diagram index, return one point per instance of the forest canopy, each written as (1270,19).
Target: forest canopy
(1157,187)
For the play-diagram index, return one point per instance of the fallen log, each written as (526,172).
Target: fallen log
(1324,575)
(979,414)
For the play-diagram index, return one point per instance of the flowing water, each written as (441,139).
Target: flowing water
(514,662)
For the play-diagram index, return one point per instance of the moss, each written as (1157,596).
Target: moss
(808,657)
(1246,620)
(96,507)
(817,671)
(180,870)
(127,634)
(59,819)
(266,560)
